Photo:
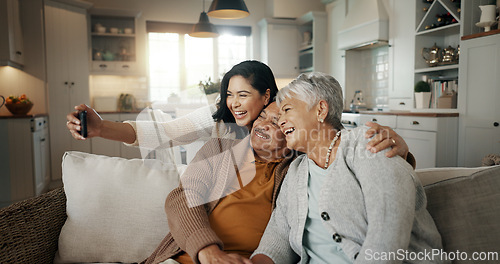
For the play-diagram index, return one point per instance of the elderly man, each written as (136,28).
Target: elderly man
(220,211)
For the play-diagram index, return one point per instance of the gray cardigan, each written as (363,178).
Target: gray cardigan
(373,206)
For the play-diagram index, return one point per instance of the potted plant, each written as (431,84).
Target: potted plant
(211,89)
(422,94)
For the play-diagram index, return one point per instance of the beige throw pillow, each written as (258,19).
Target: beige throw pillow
(115,208)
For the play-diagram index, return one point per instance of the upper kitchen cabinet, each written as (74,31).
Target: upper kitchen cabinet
(279,40)
(312,47)
(67,73)
(402,43)
(11,43)
(437,29)
(113,42)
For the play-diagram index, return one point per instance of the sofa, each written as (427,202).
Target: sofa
(109,202)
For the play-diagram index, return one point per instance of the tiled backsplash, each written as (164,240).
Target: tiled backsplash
(107,85)
(368,71)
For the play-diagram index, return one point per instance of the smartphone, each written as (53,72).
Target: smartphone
(82,115)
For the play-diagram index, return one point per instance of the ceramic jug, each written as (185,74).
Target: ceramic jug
(488,17)
(432,56)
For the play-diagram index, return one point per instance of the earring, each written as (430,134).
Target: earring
(320,120)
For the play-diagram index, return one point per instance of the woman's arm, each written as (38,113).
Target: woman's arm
(97,127)
(151,129)
(384,137)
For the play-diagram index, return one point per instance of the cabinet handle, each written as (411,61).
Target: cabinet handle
(19,53)
(495,124)
(374,119)
(72,83)
(103,65)
(42,139)
(402,103)
(65,83)
(125,66)
(415,123)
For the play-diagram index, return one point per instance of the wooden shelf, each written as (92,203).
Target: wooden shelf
(113,35)
(437,68)
(482,34)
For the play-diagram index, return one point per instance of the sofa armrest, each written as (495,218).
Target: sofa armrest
(29,230)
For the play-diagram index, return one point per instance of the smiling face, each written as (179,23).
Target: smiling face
(298,123)
(244,101)
(267,139)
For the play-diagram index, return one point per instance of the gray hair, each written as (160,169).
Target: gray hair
(313,87)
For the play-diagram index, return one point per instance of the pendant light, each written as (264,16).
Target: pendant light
(228,9)
(204,29)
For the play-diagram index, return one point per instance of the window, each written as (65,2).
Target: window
(178,62)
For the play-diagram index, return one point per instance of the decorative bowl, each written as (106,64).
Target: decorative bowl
(19,108)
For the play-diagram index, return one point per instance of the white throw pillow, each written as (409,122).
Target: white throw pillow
(115,208)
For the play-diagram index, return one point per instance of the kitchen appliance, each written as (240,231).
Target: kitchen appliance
(366,26)
(350,120)
(432,56)
(41,154)
(126,102)
(357,102)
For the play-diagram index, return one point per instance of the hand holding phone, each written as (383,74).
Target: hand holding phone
(82,115)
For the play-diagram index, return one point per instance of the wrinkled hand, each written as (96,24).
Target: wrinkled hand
(384,137)
(213,255)
(94,122)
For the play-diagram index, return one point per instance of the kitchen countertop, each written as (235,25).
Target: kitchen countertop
(21,116)
(411,113)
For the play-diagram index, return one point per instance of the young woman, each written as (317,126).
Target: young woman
(245,90)
(340,203)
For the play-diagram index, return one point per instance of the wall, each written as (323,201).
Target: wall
(31,80)
(16,82)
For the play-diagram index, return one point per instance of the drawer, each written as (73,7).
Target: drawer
(126,66)
(385,120)
(400,103)
(418,123)
(103,66)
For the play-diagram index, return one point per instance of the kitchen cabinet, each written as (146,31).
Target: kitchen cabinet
(113,40)
(430,31)
(279,42)
(11,43)
(23,158)
(479,95)
(431,139)
(312,48)
(67,73)
(402,43)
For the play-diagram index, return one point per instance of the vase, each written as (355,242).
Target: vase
(488,17)
(422,100)
(212,98)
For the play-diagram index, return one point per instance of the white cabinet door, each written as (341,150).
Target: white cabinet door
(422,145)
(67,75)
(479,95)
(279,47)
(402,41)
(11,42)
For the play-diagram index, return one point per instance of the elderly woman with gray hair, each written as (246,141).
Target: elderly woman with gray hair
(340,203)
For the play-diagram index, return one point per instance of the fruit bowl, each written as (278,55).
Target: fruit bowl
(19,108)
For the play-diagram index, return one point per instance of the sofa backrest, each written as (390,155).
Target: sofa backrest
(465,205)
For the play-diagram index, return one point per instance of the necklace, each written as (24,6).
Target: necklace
(330,149)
